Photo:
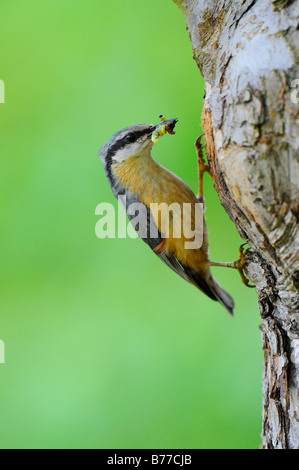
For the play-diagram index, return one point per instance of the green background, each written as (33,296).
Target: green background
(105,346)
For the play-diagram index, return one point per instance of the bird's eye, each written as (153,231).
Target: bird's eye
(130,138)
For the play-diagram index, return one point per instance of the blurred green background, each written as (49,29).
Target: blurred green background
(105,346)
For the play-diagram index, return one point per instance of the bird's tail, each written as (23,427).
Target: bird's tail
(222,296)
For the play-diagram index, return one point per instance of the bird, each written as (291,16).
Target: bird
(133,173)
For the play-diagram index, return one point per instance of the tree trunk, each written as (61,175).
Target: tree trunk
(247,52)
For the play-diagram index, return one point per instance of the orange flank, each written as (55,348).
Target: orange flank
(160,246)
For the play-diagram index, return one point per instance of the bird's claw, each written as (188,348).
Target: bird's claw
(240,263)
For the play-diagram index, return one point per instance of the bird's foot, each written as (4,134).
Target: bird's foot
(240,263)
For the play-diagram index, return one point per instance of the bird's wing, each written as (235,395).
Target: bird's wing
(143,222)
(186,273)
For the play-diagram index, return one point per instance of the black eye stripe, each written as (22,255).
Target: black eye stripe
(130,138)
(133,136)
(119,144)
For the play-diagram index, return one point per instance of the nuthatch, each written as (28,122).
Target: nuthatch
(132,172)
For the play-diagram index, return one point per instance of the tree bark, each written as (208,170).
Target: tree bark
(247,52)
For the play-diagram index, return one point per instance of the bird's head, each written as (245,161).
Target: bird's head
(136,140)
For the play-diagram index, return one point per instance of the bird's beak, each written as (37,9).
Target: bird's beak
(169,125)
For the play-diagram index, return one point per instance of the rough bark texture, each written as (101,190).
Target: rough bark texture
(247,52)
